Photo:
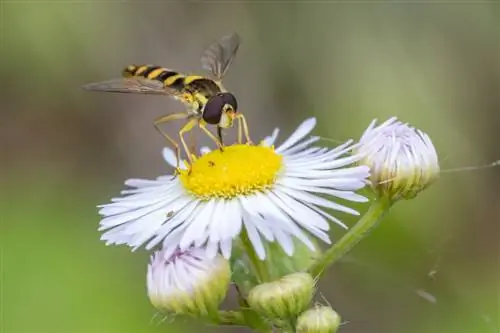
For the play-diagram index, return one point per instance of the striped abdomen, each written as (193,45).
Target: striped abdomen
(174,80)
(168,77)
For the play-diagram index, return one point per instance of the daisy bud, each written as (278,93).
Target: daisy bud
(284,298)
(187,282)
(321,319)
(402,159)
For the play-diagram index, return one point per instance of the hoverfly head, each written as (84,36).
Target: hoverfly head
(221,110)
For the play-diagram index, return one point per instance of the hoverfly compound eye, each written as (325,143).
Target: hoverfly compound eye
(231,100)
(213,109)
(218,104)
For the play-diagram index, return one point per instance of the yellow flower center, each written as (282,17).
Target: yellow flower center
(238,170)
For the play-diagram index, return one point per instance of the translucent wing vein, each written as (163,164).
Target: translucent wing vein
(131,85)
(218,57)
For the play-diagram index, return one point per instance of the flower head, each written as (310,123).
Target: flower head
(272,194)
(402,159)
(320,319)
(187,282)
(284,298)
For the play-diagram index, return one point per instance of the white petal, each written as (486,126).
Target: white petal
(225,247)
(252,210)
(305,128)
(269,140)
(171,158)
(205,150)
(254,238)
(301,146)
(140,182)
(300,212)
(218,229)
(180,217)
(234,217)
(313,199)
(212,249)
(347,195)
(197,227)
(285,241)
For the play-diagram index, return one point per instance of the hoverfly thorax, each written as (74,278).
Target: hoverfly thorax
(221,110)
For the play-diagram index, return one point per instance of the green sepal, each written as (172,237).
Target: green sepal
(280,264)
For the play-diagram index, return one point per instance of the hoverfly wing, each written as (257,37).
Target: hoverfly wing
(130,85)
(219,55)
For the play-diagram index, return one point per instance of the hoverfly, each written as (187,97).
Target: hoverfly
(206,99)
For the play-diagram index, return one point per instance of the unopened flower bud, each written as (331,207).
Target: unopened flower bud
(284,298)
(321,319)
(187,282)
(402,159)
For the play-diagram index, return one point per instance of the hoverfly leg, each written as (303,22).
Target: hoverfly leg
(240,133)
(243,121)
(176,172)
(211,136)
(188,127)
(219,134)
(165,119)
(193,139)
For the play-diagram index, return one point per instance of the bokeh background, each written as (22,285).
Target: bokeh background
(431,267)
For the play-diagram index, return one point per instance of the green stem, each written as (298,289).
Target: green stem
(231,318)
(255,322)
(259,266)
(352,237)
(252,319)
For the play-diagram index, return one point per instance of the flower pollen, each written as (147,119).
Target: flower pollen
(237,170)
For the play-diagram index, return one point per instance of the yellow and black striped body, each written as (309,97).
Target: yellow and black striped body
(193,90)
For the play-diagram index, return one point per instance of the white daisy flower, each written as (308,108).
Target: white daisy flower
(187,282)
(402,159)
(271,194)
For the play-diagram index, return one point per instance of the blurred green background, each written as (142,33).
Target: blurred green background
(431,267)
